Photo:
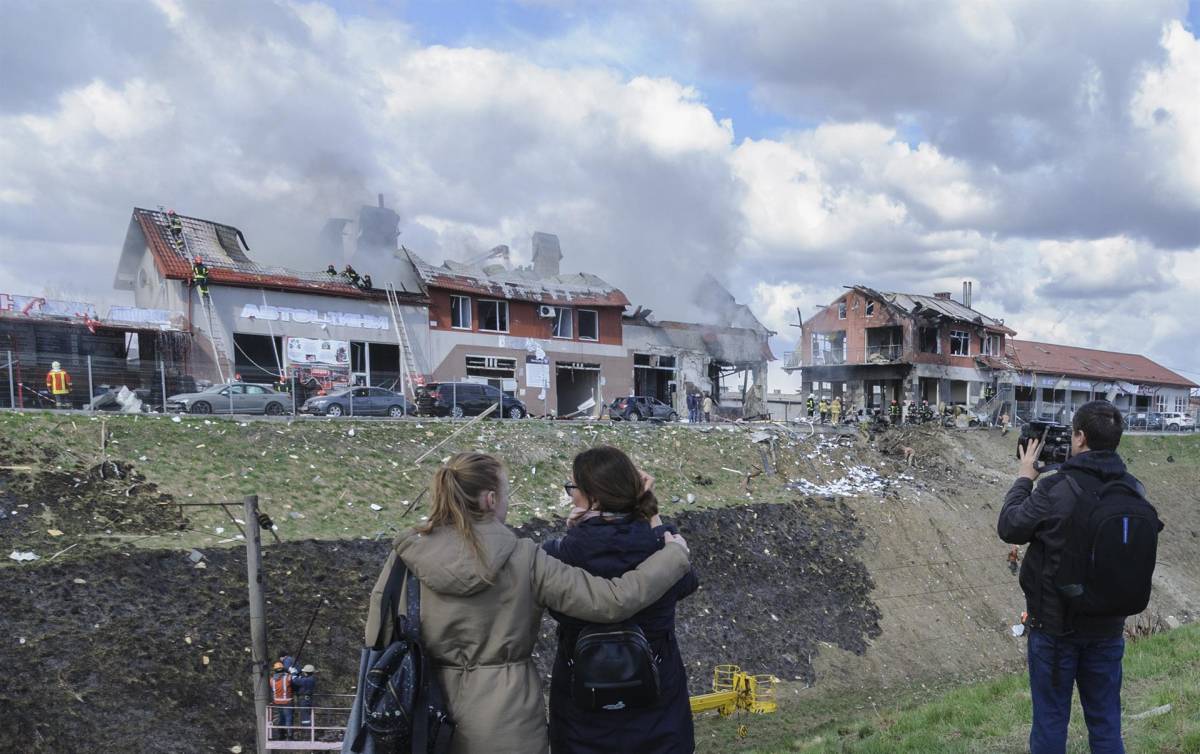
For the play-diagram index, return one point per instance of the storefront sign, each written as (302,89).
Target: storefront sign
(332,353)
(312,316)
(36,306)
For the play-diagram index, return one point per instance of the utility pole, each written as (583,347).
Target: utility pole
(258,621)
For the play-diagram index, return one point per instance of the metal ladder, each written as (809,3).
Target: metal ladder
(214,337)
(406,354)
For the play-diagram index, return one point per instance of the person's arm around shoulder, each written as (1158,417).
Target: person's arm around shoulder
(691,580)
(575,592)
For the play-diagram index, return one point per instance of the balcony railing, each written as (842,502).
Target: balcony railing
(887,352)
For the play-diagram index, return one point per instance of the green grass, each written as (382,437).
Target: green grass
(318,480)
(991,716)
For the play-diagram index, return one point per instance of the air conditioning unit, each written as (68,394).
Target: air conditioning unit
(546,311)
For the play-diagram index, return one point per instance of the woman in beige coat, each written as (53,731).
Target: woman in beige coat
(483,592)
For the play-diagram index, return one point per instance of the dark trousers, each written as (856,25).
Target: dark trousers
(283,721)
(1094,665)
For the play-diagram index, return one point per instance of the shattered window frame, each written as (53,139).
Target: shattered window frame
(563,319)
(460,305)
(960,343)
(841,310)
(497,307)
(870,308)
(924,334)
(595,317)
(989,344)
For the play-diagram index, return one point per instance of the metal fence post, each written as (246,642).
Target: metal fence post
(12,393)
(91,388)
(162,376)
(453,398)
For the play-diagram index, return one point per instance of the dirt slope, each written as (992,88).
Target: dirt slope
(876,574)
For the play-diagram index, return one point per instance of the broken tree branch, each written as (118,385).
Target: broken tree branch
(448,437)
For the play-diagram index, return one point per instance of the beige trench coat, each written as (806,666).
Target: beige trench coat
(481,635)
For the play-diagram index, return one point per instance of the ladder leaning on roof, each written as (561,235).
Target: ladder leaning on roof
(214,337)
(409,374)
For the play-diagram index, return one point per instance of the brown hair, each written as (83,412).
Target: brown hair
(456,488)
(608,477)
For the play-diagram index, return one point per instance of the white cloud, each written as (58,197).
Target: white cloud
(1167,108)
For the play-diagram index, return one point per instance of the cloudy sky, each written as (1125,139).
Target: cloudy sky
(1048,151)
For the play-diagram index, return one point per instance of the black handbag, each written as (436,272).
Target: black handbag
(399,707)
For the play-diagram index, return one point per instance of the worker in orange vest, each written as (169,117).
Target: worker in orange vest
(58,382)
(281,699)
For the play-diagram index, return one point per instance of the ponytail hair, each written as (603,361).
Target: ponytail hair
(608,478)
(457,486)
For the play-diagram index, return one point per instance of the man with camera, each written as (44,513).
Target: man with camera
(1092,540)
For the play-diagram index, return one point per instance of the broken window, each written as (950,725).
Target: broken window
(829,348)
(460,312)
(491,366)
(929,340)
(563,319)
(870,308)
(990,345)
(589,324)
(493,316)
(841,310)
(960,343)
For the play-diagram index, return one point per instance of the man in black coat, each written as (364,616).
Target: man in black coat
(1088,652)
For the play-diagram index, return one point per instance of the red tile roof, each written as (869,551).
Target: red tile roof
(221,248)
(1071,361)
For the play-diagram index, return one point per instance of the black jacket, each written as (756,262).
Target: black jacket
(1038,517)
(609,548)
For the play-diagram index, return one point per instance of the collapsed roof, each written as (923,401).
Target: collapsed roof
(521,284)
(934,308)
(223,249)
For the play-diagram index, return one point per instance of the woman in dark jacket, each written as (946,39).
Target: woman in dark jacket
(614,526)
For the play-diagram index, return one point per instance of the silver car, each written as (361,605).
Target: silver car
(231,398)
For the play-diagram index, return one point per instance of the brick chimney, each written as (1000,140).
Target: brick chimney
(546,255)
(943,295)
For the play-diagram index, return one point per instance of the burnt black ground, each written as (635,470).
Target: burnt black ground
(117,662)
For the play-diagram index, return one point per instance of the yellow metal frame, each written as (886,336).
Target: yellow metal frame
(734,690)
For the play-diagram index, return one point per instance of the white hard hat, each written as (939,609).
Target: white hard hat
(56,365)
(308,669)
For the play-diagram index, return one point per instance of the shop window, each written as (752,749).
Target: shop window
(589,324)
(1160,403)
(960,343)
(460,312)
(929,340)
(563,319)
(493,316)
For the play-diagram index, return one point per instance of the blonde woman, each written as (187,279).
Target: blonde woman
(483,592)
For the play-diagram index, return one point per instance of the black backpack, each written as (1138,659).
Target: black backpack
(403,708)
(613,668)
(1111,547)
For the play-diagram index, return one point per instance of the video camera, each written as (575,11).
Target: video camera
(1055,437)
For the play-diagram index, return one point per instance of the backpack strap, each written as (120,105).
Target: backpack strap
(389,601)
(412,610)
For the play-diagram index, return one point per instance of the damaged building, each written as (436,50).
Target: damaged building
(725,356)
(871,347)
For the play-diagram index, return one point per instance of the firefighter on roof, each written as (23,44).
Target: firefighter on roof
(200,276)
(174,223)
(58,382)
(350,275)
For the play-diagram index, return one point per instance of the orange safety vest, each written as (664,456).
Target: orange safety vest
(281,688)
(58,381)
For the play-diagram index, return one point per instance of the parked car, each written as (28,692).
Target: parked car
(231,398)
(1178,422)
(460,399)
(359,401)
(1147,421)
(638,407)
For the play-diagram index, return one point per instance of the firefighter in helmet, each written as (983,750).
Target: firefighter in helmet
(58,382)
(200,276)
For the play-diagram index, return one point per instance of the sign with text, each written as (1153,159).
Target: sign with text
(332,353)
(315,317)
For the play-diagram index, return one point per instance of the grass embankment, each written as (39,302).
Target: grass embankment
(318,478)
(992,716)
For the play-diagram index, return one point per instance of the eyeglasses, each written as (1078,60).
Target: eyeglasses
(569,486)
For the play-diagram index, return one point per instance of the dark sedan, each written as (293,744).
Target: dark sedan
(458,399)
(359,401)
